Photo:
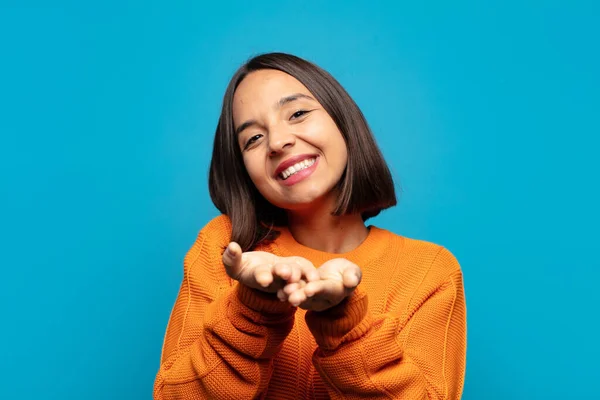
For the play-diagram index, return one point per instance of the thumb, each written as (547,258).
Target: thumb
(352,277)
(232,257)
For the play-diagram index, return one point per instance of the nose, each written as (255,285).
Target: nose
(279,139)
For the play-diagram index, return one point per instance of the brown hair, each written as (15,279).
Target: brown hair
(366,186)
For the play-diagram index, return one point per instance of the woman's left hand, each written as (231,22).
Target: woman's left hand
(339,278)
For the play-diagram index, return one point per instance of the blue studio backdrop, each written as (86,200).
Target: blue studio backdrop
(487,113)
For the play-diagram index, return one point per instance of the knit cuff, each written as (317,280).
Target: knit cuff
(264,303)
(344,322)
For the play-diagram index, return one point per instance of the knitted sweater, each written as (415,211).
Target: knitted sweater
(401,334)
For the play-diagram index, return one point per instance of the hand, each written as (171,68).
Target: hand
(265,271)
(338,279)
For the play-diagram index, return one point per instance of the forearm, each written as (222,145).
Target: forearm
(357,353)
(367,362)
(414,354)
(231,355)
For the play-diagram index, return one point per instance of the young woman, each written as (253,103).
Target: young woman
(287,294)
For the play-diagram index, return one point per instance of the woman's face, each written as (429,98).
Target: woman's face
(292,149)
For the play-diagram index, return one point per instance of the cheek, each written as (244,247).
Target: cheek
(339,148)
(257,172)
(344,154)
(251,168)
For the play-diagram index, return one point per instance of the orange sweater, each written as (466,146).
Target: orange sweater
(402,334)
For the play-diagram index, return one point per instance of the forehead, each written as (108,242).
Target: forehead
(265,88)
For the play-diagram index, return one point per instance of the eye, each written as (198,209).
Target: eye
(251,140)
(298,114)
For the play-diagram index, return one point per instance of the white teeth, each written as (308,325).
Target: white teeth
(297,167)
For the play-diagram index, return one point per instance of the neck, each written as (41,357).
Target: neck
(325,232)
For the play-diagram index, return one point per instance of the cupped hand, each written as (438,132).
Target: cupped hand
(338,278)
(265,271)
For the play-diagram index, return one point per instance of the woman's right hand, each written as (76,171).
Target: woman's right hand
(265,271)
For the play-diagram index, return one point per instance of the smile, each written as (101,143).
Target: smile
(294,169)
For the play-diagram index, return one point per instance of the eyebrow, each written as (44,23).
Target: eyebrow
(245,125)
(282,102)
(292,97)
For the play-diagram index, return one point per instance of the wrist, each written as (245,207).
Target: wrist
(262,302)
(343,322)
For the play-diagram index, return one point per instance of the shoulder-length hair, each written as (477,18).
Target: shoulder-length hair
(366,186)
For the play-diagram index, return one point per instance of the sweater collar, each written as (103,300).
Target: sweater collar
(375,243)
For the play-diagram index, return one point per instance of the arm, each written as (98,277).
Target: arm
(221,338)
(417,353)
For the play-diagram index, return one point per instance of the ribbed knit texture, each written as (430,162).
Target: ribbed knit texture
(401,334)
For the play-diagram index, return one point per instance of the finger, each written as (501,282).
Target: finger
(308,270)
(283,271)
(312,275)
(313,288)
(296,274)
(232,257)
(351,277)
(329,289)
(281,295)
(297,297)
(263,275)
(292,287)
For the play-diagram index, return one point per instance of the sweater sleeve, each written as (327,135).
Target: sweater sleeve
(416,353)
(221,337)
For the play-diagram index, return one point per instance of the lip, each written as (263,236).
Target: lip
(291,161)
(300,175)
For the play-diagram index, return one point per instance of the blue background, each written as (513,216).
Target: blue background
(486,112)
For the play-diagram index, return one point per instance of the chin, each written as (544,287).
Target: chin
(305,202)
(301,198)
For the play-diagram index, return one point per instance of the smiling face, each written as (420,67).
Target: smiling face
(292,149)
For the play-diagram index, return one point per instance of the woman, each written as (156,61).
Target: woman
(288,295)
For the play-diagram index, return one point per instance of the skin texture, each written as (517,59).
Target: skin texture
(277,118)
